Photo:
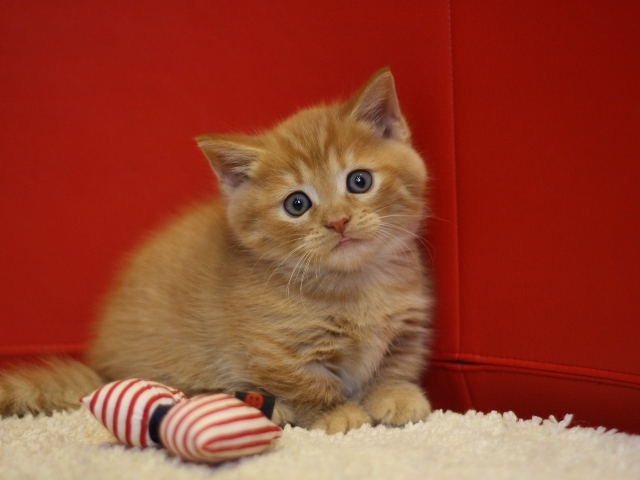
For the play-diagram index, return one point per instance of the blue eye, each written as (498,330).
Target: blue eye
(297,204)
(359,181)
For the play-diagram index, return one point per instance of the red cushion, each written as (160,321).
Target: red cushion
(527,112)
(547,115)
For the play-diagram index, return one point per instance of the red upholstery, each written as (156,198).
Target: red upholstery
(528,114)
(547,154)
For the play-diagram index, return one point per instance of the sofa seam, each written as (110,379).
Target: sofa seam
(458,355)
(576,378)
(455,205)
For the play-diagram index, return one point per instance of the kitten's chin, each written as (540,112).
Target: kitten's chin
(349,255)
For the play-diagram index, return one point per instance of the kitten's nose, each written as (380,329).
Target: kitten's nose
(339,225)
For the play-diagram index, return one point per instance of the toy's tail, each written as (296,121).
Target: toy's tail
(56,385)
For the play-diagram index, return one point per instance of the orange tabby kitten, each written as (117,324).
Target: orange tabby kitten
(304,281)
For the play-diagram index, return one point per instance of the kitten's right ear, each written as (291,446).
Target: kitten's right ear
(376,103)
(230,156)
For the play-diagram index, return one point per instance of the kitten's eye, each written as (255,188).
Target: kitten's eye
(297,203)
(359,181)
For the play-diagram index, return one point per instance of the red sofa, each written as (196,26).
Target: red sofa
(528,115)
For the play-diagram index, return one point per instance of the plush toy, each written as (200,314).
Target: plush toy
(208,428)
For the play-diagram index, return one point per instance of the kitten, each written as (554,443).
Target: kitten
(304,281)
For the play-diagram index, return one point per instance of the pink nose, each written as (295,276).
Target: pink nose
(339,225)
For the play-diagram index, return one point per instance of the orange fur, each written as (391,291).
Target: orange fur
(237,294)
(34,389)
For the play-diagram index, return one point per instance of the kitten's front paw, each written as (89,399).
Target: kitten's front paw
(397,403)
(283,414)
(342,419)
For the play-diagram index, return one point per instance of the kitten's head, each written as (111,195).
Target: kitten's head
(333,186)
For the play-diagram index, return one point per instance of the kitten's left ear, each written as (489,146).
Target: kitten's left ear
(377,104)
(230,156)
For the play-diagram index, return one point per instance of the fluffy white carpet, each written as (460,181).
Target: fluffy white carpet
(73,445)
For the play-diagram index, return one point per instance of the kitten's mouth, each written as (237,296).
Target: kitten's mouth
(345,242)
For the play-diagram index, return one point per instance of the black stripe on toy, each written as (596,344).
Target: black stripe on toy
(154,422)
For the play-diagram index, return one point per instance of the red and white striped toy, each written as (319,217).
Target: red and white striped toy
(125,408)
(207,428)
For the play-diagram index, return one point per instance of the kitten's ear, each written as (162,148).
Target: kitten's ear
(377,104)
(230,156)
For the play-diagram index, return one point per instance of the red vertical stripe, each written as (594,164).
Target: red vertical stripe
(117,409)
(132,406)
(106,400)
(145,416)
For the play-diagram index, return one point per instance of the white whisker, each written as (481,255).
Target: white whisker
(282,262)
(424,242)
(300,260)
(380,235)
(401,241)
(402,215)
(304,274)
(298,237)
